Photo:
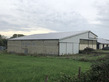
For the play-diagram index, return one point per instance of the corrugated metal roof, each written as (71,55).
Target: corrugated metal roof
(103,41)
(55,35)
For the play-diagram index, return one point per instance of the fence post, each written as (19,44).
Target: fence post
(79,72)
(84,78)
(46,78)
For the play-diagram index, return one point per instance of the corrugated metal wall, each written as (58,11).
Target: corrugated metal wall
(87,43)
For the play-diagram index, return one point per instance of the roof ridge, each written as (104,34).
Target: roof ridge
(52,35)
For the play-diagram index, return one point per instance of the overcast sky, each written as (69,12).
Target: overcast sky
(43,16)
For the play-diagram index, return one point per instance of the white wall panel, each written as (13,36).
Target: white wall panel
(91,35)
(66,48)
(75,39)
(62,48)
(76,48)
(69,48)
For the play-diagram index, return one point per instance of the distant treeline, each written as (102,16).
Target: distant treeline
(3,39)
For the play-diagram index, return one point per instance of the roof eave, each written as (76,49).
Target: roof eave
(30,39)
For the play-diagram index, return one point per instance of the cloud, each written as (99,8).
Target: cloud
(54,15)
(29,32)
(104,14)
(102,28)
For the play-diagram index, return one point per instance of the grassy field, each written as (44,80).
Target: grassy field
(14,68)
(87,57)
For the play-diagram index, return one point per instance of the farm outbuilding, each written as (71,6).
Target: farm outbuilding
(101,43)
(53,43)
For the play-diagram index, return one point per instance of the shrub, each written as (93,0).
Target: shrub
(87,50)
(65,78)
(83,59)
(99,72)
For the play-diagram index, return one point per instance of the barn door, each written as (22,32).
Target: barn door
(66,48)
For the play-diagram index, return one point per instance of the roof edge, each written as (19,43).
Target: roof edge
(74,35)
(93,33)
(31,39)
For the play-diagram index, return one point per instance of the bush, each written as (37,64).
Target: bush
(99,72)
(64,78)
(87,50)
(83,59)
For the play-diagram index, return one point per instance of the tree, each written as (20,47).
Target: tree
(3,40)
(16,35)
(2,37)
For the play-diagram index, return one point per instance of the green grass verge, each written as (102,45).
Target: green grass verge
(15,68)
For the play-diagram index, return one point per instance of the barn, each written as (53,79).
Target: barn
(101,43)
(61,43)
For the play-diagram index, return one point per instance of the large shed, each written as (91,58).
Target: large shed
(101,43)
(53,43)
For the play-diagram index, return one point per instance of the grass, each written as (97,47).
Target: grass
(102,51)
(88,57)
(14,68)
